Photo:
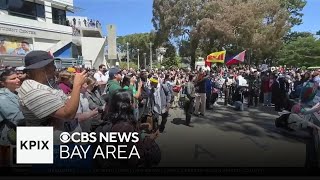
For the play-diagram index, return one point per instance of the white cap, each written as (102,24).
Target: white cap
(20,68)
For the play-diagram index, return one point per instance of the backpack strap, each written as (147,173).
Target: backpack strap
(8,123)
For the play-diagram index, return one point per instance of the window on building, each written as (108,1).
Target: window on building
(40,11)
(25,9)
(59,16)
(3,4)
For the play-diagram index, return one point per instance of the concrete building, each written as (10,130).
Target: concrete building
(27,25)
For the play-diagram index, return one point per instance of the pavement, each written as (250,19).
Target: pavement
(229,138)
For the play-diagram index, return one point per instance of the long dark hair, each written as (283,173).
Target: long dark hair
(126,81)
(121,108)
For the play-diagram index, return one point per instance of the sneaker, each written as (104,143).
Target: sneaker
(202,115)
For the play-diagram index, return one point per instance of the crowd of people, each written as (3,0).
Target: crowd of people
(128,100)
(76,24)
(90,23)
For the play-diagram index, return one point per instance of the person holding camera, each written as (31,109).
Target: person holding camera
(128,83)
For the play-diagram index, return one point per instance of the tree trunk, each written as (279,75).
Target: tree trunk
(193,47)
(193,59)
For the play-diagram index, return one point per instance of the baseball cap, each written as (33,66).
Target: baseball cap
(113,71)
(71,70)
(154,79)
(38,59)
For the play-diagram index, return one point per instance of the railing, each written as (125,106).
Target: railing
(68,62)
(84,24)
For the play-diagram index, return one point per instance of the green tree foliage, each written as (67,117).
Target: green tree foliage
(142,41)
(124,65)
(139,41)
(235,25)
(304,51)
(294,7)
(172,62)
(295,35)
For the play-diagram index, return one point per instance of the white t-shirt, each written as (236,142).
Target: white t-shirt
(101,77)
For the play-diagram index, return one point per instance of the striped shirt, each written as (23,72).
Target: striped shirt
(39,101)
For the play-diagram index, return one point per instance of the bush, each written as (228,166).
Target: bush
(123,65)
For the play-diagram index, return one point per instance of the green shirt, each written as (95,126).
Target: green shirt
(134,91)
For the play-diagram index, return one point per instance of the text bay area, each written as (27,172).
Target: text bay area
(106,152)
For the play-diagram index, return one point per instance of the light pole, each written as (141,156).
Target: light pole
(128,55)
(145,60)
(138,58)
(150,55)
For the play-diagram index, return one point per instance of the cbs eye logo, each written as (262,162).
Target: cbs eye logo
(65,137)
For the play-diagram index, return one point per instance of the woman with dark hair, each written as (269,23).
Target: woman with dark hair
(10,114)
(120,119)
(128,83)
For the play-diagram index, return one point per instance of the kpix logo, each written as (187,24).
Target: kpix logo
(34,145)
(29,145)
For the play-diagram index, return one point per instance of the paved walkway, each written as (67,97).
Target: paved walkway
(229,138)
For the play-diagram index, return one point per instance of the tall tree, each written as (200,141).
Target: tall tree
(304,51)
(294,7)
(177,18)
(295,35)
(235,25)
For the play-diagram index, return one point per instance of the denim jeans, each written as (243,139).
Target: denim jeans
(267,98)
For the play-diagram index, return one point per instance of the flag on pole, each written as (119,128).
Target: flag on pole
(237,59)
(216,57)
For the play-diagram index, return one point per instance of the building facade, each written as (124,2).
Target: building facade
(27,25)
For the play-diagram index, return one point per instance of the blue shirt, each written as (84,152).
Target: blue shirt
(208,85)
